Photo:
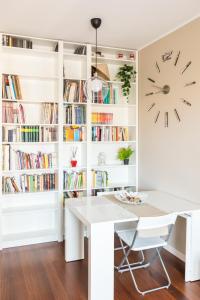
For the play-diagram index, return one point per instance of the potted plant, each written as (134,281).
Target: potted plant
(73,159)
(125,75)
(124,154)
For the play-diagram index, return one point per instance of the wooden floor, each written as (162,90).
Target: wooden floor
(39,272)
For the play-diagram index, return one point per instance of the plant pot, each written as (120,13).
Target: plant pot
(126,161)
(73,163)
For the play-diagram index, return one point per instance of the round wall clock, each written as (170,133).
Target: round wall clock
(163,87)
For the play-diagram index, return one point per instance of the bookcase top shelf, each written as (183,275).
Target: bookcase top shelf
(27,101)
(31,52)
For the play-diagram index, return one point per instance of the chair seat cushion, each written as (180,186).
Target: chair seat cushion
(140,243)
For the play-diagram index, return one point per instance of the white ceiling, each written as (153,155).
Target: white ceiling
(126,23)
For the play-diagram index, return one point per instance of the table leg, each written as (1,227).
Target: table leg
(74,237)
(101,262)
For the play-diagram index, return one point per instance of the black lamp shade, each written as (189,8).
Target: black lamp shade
(96,22)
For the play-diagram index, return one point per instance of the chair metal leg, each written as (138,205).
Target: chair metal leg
(124,267)
(137,267)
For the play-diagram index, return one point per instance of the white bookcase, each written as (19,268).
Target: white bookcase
(28,218)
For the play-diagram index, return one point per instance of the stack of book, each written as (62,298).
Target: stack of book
(74,91)
(11,87)
(34,160)
(73,180)
(108,95)
(81,50)
(30,183)
(102,118)
(50,113)
(74,133)
(104,133)
(99,178)
(12,113)
(75,114)
(12,41)
(29,134)
(74,194)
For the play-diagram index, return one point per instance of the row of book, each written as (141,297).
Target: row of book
(73,180)
(29,134)
(102,118)
(74,91)
(75,114)
(50,113)
(110,133)
(99,178)
(13,41)
(29,183)
(19,160)
(109,94)
(11,88)
(13,113)
(74,133)
(37,160)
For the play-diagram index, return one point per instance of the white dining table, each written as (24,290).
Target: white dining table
(99,215)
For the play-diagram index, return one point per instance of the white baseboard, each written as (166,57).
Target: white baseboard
(175,252)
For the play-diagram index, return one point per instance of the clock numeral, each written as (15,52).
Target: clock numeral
(149,94)
(157,116)
(166,119)
(157,67)
(190,83)
(186,66)
(167,56)
(177,115)
(177,58)
(150,79)
(152,105)
(186,102)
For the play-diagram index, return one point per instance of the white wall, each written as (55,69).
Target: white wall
(170,157)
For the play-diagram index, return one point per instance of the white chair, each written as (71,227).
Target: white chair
(150,233)
(119,226)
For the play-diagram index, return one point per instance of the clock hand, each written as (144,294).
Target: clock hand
(157,87)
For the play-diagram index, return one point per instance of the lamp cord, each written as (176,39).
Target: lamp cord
(96,49)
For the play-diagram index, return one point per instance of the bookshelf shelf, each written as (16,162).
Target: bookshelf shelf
(32,52)
(74,190)
(20,208)
(112,125)
(28,124)
(34,76)
(120,105)
(114,142)
(118,82)
(29,171)
(21,193)
(74,103)
(75,168)
(25,143)
(114,185)
(29,101)
(113,166)
(44,73)
(28,235)
(114,60)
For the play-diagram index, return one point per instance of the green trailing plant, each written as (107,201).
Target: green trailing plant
(125,75)
(125,153)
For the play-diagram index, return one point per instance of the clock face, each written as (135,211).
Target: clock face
(163,87)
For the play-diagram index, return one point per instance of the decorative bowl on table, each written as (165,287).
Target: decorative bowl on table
(134,198)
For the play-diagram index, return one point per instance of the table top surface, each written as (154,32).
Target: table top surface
(99,209)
